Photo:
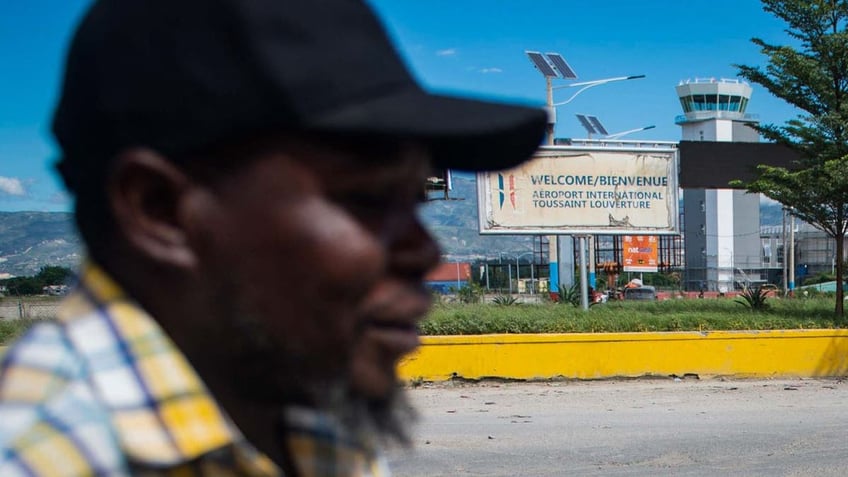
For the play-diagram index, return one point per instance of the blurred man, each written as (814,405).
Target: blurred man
(246,174)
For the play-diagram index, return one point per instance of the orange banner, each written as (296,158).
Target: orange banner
(640,253)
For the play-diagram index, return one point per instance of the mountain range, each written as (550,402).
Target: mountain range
(32,240)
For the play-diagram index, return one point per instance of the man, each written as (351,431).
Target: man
(246,175)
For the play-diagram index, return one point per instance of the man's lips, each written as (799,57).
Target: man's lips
(393,325)
(393,340)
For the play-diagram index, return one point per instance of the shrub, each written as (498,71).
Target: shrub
(754,299)
(505,300)
(628,316)
(471,293)
(569,295)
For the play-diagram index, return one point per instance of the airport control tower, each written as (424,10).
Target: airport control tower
(721,226)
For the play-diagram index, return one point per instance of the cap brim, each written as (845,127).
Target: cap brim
(463,134)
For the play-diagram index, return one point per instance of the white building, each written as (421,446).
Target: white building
(721,225)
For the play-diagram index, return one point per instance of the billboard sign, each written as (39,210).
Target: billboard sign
(584,190)
(639,253)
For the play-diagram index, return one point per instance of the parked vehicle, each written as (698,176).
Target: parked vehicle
(646,292)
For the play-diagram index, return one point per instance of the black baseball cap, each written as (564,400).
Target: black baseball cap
(181,75)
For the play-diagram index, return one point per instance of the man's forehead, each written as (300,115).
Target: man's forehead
(401,161)
(328,154)
(356,155)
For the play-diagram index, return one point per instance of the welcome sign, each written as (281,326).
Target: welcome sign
(583,190)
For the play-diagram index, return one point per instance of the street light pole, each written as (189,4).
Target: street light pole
(517,276)
(792,254)
(518,267)
(532,280)
(550,132)
(509,276)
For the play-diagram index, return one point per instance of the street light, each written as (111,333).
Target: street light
(591,84)
(553,65)
(593,125)
(630,131)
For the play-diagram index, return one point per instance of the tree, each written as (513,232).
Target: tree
(34,285)
(20,286)
(53,275)
(812,75)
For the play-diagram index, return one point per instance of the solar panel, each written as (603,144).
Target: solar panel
(541,64)
(586,124)
(559,63)
(601,129)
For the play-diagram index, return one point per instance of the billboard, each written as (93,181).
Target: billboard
(639,253)
(584,190)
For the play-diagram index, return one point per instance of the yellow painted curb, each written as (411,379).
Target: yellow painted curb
(788,353)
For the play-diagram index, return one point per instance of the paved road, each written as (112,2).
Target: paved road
(627,428)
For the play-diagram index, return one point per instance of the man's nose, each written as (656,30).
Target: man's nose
(414,252)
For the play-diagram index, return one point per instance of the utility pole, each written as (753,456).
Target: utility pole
(791,253)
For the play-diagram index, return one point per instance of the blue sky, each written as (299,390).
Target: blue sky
(469,47)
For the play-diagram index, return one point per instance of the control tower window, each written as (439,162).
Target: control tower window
(724,102)
(735,101)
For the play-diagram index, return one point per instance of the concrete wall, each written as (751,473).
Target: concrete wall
(747,252)
(740,354)
(792,353)
(742,132)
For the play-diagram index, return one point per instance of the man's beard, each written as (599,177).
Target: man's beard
(270,374)
(389,419)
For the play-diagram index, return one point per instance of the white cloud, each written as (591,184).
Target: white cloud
(11,186)
(446,52)
(491,70)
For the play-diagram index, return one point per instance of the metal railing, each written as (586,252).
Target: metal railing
(716,114)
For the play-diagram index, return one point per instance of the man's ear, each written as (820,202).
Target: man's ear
(145,193)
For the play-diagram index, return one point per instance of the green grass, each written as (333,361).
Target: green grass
(10,326)
(618,316)
(622,316)
(10,329)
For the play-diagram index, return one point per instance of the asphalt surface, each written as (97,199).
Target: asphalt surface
(691,427)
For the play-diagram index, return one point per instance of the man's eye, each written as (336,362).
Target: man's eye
(366,200)
(373,203)
(365,203)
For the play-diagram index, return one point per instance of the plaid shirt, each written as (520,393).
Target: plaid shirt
(103,391)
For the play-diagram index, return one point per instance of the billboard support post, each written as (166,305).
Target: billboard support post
(592,277)
(565,261)
(584,280)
